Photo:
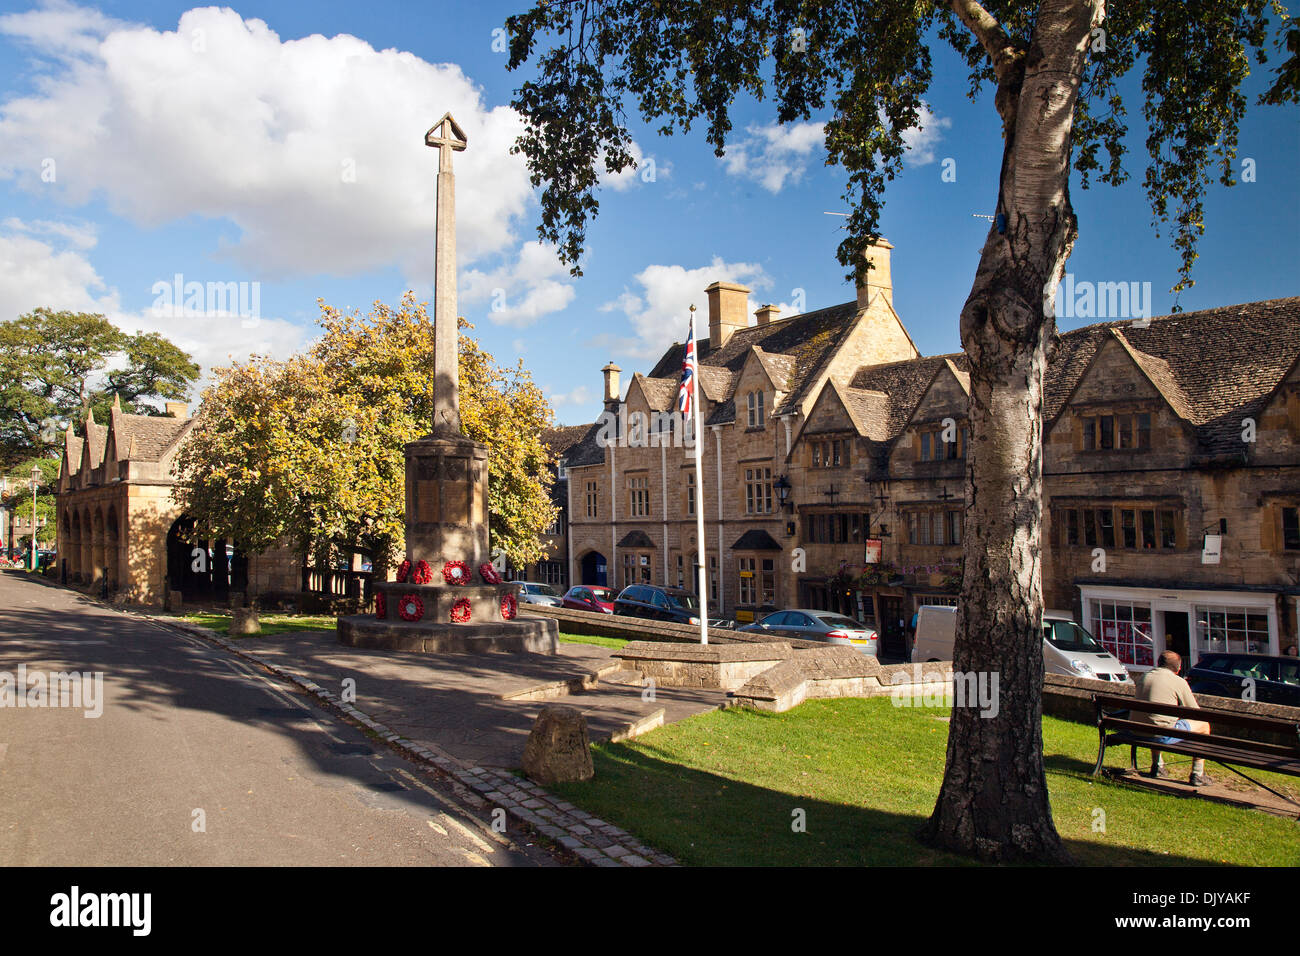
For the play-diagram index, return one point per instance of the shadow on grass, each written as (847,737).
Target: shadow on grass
(706,820)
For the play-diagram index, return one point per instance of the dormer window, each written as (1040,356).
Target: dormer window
(755,405)
(942,444)
(561,469)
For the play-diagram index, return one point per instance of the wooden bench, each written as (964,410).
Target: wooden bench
(1115,726)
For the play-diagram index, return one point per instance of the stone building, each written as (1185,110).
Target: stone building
(554,569)
(120,532)
(835,460)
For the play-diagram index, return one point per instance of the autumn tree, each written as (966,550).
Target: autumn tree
(312,448)
(54,365)
(1055,67)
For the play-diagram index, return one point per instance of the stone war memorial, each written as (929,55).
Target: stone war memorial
(447,598)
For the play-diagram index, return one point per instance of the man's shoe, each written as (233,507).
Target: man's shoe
(1200,780)
(1157,772)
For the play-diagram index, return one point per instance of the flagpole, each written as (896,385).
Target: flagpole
(699,491)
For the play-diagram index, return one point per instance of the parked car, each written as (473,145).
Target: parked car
(813,625)
(656,603)
(531,592)
(590,597)
(1067,647)
(1277,679)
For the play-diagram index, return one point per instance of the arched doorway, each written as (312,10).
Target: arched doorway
(74,547)
(594,570)
(112,540)
(202,569)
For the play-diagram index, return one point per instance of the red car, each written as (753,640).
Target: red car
(590,597)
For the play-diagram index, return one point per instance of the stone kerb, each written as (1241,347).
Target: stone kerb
(834,671)
(713,666)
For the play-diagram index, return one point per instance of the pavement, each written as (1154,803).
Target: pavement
(201,758)
(476,709)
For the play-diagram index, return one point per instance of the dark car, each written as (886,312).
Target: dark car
(590,597)
(658,604)
(1276,679)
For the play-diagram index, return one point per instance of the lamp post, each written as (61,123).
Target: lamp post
(36,479)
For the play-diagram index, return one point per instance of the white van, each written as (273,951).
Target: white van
(1067,648)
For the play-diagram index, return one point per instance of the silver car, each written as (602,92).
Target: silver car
(806,624)
(531,592)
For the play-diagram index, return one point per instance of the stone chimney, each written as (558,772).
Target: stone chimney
(767,314)
(611,382)
(877,280)
(177,409)
(728,311)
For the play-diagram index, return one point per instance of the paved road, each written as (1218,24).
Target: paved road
(190,734)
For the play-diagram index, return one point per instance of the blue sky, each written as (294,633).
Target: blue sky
(282,144)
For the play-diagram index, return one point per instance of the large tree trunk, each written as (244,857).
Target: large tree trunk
(994,801)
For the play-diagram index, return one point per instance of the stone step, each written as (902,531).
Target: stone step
(629,677)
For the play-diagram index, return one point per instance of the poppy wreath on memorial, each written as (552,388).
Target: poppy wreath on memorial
(509,606)
(423,574)
(489,573)
(403,572)
(410,607)
(381,606)
(456,572)
(460,611)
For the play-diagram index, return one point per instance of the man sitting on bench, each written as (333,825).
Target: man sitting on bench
(1162,685)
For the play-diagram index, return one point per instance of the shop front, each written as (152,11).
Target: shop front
(1137,624)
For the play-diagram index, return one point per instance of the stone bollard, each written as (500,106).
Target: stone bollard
(235,599)
(558,750)
(244,621)
(175,600)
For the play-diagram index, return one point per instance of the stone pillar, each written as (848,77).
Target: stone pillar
(447,502)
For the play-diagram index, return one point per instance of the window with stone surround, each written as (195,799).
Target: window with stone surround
(940,443)
(593,499)
(757,580)
(636,568)
(754,404)
(690,493)
(829,453)
(1127,526)
(835,527)
(1127,431)
(758,491)
(933,525)
(638,496)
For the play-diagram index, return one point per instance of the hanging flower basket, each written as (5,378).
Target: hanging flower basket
(456,572)
(423,573)
(489,573)
(460,611)
(410,607)
(403,572)
(381,606)
(509,606)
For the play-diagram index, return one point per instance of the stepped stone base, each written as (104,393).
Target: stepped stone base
(532,636)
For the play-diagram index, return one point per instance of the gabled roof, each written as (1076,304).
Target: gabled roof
(756,539)
(560,439)
(779,368)
(147,437)
(636,539)
(808,340)
(587,450)
(660,393)
(716,383)
(905,383)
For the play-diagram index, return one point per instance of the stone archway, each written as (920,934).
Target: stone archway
(97,547)
(112,548)
(594,568)
(87,539)
(73,555)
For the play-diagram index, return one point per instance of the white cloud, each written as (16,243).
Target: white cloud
(223,119)
(579,396)
(922,138)
(34,272)
(519,293)
(648,170)
(773,154)
(660,312)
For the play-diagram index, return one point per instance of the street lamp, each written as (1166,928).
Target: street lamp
(782,486)
(36,479)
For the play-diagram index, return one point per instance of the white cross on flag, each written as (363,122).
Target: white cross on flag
(686,391)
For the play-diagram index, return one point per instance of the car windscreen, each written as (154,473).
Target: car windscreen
(1071,638)
(602,594)
(686,601)
(542,589)
(838,620)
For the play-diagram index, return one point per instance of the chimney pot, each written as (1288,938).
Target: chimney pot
(877,281)
(177,409)
(728,311)
(611,382)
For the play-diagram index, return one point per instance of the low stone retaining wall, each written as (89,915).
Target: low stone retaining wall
(714,666)
(640,629)
(836,671)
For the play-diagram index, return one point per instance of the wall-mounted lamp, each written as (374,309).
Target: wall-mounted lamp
(782,486)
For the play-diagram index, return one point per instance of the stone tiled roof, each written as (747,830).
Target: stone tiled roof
(716,383)
(146,437)
(660,393)
(559,440)
(905,384)
(73,445)
(869,410)
(779,368)
(808,340)
(96,439)
(586,451)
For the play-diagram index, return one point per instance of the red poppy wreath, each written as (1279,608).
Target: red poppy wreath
(381,606)
(410,607)
(509,606)
(403,572)
(460,611)
(489,573)
(423,573)
(455,572)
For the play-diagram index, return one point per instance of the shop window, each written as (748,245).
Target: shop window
(1124,629)
(1231,630)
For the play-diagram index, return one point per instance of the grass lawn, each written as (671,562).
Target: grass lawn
(615,642)
(723,789)
(271,623)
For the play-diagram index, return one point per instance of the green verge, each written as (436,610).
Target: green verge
(271,623)
(614,642)
(726,789)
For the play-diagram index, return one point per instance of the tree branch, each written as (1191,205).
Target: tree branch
(1003,53)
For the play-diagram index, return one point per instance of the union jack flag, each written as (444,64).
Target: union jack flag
(686,391)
